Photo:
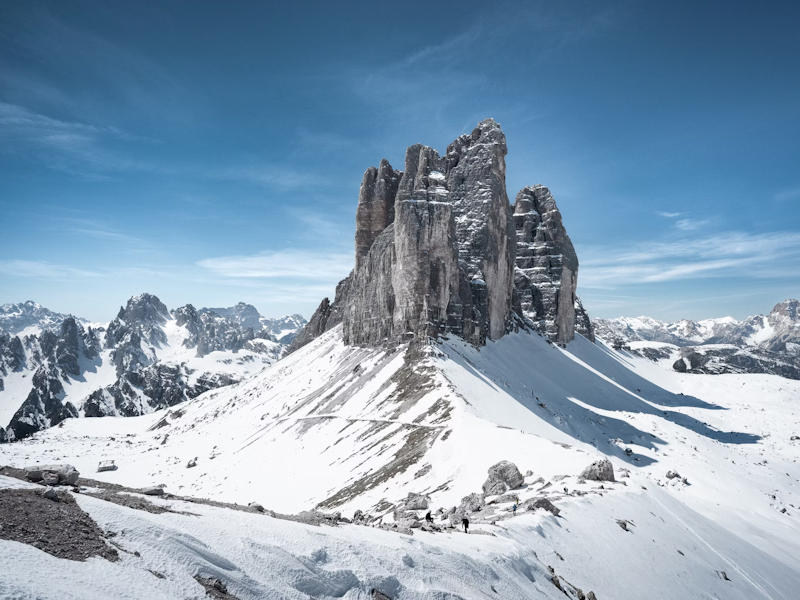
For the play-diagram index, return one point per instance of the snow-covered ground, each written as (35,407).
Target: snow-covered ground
(347,428)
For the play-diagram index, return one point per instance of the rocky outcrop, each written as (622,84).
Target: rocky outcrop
(547,266)
(439,257)
(375,210)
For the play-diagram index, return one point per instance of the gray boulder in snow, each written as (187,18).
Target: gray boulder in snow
(493,487)
(471,503)
(542,503)
(601,470)
(508,473)
(416,501)
(53,474)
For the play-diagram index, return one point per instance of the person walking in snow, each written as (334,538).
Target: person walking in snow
(514,508)
(465,523)
(428,518)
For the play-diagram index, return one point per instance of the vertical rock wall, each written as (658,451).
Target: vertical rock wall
(438,250)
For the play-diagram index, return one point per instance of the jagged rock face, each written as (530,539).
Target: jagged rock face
(439,256)
(42,408)
(150,370)
(547,266)
(375,206)
(208,331)
(583,324)
(476,179)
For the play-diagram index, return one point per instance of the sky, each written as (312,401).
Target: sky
(212,152)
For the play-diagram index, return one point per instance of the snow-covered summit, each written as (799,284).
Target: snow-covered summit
(29,317)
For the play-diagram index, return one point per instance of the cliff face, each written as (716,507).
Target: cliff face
(438,250)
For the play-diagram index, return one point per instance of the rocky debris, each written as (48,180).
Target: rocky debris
(624,524)
(153,490)
(543,503)
(416,501)
(470,504)
(717,360)
(256,507)
(192,463)
(378,595)
(722,575)
(435,253)
(601,470)
(215,587)
(502,476)
(55,525)
(504,499)
(569,590)
(52,474)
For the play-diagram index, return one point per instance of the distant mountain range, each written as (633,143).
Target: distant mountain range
(778,331)
(758,344)
(55,366)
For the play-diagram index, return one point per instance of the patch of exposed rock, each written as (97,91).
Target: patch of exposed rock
(53,523)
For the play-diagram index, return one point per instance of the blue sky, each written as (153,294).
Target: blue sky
(211,152)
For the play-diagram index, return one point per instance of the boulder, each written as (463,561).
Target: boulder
(153,490)
(601,470)
(493,487)
(542,503)
(256,507)
(508,473)
(53,474)
(416,501)
(191,463)
(470,504)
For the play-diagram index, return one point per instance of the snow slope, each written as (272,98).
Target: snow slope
(351,428)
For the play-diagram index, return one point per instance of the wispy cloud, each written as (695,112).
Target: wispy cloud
(724,254)
(788,194)
(691,224)
(294,264)
(43,270)
(669,215)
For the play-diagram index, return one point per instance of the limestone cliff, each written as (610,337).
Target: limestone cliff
(439,251)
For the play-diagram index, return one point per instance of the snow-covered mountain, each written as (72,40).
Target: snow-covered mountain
(29,317)
(454,374)
(283,329)
(778,331)
(758,344)
(387,434)
(146,358)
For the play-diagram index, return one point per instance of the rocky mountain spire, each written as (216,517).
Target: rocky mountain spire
(436,252)
(547,266)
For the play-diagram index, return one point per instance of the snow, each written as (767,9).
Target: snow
(322,420)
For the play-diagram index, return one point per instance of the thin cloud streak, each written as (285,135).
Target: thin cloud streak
(750,256)
(295,264)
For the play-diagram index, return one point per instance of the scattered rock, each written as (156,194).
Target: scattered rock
(601,470)
(155,490)
(191,463)
(723,575)
(215,588)
(51,521)
(256,507)
(672,474)
(624,524)
(378,595)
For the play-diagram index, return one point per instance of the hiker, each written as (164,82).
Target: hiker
(429,518)
(465,523)
(514,508)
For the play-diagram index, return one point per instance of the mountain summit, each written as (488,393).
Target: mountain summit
(439,250)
